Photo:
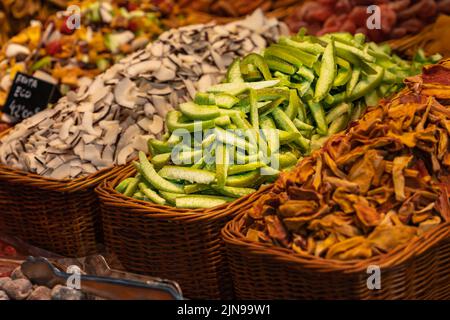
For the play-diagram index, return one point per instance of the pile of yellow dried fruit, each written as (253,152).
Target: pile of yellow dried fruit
(375,187)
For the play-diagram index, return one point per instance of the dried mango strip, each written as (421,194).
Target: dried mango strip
(371,189)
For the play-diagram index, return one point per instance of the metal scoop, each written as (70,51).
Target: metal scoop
(42,272)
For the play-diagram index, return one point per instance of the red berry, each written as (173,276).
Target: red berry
(54,47)
(133,26)
(9,251)
(132,6)
(65,28)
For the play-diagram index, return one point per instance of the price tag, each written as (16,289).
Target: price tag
(29,95)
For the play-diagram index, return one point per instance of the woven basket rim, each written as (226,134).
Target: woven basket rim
(232,235)
(16,176)
(107,193)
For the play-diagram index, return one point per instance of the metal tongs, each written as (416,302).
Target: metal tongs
(41,271)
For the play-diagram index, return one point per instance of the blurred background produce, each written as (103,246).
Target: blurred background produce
(16,15)
(222,11)
(398,18)
(109,31)
(430,39)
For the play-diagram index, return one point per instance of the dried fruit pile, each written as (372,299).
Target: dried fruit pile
(107,121)
(398,18)
(375,187)
(15,15)
(54,52)
(288,102)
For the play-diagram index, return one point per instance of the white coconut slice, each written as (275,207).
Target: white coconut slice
(108,154)
(97,91)
(149,109)
(79,148)
(143,67)
(44,76)
(160,91)
(141,143)
(125,93)
(62,172)
(64,131)
(157,125)
(102,113)
(90,153)
(190,88)
(130,133)
(207,68)
(157,49)
(86,107)
(55,163)
(75,172)
(14,50)
(112,72)
(87,124)
(204,83)
(88,138)
(88,168)
(111,134)
(164,74)
(124,154)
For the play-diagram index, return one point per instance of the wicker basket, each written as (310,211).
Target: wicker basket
(419,270)
(61,216)
(179,244)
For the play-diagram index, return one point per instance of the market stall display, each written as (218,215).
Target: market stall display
(299,152)
(70,148)
(106,122)
(170,214)
(303,90)
(71,58)
(18,13)
(397,18)
(374,195)
(429,40)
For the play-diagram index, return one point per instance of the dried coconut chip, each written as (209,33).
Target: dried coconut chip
(104,122)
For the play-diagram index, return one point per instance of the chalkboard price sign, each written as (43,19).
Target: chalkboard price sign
(29,95)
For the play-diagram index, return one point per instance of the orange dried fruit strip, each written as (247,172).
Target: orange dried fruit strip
(373,188)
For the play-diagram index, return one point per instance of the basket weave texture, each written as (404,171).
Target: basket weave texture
(61,216)
(179,244)
(418,270)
